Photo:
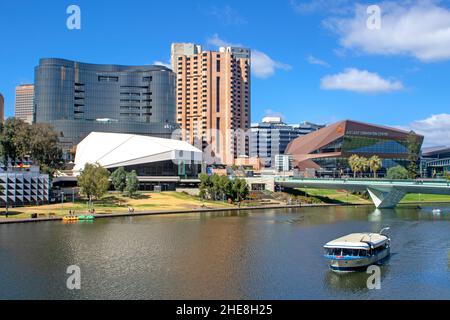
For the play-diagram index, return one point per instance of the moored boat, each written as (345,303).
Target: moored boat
(357,251)
(86,217)
(70,218)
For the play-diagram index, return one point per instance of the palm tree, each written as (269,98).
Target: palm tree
(355,164)
(364,165)
(375,164)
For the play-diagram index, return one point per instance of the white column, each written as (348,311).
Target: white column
(387,197)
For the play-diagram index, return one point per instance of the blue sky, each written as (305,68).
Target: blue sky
(312,60)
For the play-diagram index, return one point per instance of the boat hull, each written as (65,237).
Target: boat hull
(349,264)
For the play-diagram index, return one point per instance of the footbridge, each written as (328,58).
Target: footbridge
(384,193)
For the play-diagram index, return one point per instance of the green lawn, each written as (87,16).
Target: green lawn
(335,195)
(341,196)
(413,197)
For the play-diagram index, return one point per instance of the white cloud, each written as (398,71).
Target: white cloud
(313,60)
(272,113)
(435,128)
(262,65)
(164,64)
(416,28)
(216,41)
(360,81)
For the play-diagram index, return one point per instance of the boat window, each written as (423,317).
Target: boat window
(362,253)
(347,252)
(337,252)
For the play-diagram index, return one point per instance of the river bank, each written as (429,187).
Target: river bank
(149,203)
(173,212)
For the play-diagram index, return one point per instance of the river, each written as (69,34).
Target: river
(267,254)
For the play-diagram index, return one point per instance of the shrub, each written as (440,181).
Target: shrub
(398,173)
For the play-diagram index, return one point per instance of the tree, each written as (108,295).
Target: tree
(132,184)
(413,145)
(398,173)
(20,141)
(119,179)
(224,187)
(240,189)
(354,164)
(14,139)
(205,185)
(44,149)
(215,186)
(93,181)
(357,164)
(375,164)
(364,164)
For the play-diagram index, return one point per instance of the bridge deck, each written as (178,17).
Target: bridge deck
(425,187)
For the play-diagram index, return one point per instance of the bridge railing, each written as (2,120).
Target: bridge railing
(373,180)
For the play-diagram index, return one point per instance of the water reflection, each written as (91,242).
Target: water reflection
(268,254)
(376,216)
(351,282)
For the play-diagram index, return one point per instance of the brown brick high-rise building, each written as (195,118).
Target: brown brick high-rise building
(213,100)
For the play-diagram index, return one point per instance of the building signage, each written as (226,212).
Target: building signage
(368,133)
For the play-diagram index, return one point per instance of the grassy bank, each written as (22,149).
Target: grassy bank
(345,197)
(335,196)
(115,202)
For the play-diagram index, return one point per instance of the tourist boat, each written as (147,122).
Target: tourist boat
(357,251)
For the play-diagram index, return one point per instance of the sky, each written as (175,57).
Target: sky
(321,61)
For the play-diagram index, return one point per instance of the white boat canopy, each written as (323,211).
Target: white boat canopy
(358,241)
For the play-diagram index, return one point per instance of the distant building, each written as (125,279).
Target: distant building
(79,98)
(155,160)
(435,161)
(24,102)
(271,137)
(327,150)
(24,186)
(283,162)
(213,99)
(246,161)
(2,108)
(180,50)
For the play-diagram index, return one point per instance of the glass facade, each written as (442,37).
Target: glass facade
(326,151)
(436,161)
(393,152)
(369,145)
(78,98)
(269,139)
(166,169)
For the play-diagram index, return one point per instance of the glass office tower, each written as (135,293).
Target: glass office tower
(79,98)
(272,136)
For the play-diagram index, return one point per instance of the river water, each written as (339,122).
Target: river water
(268,254)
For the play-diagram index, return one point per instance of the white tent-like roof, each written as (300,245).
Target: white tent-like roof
(112,150)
